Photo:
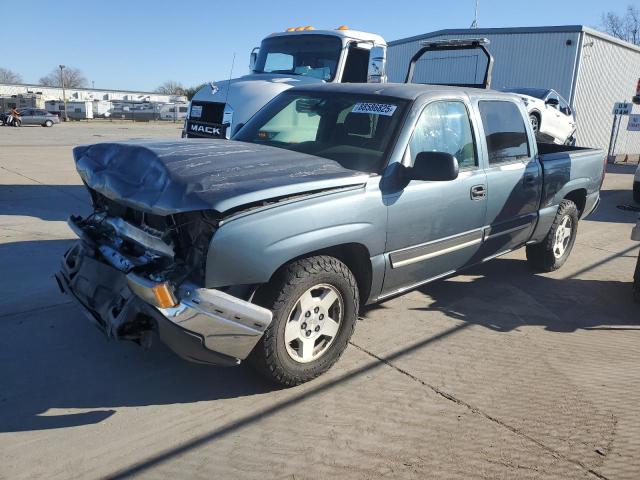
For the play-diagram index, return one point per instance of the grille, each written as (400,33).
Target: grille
(133,216)
(211,112)
(190,232)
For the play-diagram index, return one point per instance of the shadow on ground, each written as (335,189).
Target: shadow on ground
(51,357)
(54,358)
(47,202)
(608,211)
(505,294)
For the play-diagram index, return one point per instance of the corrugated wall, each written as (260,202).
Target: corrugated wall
(607,74)
(541,60)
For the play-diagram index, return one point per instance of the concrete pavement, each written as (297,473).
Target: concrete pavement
(497,373)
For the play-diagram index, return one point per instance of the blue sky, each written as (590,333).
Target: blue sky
(140,44)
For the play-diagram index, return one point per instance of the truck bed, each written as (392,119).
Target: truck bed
(569,172)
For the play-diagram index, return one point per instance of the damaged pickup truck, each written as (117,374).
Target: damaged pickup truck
(331,197)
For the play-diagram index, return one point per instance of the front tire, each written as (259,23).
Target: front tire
(315,304)
(553,251)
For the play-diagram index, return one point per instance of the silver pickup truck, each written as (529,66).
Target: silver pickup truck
(265,247)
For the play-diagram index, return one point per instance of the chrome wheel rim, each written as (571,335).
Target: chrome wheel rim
(562,237)
(313,323)
(534,123)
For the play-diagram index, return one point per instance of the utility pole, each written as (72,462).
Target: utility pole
(474,24)
(64,94)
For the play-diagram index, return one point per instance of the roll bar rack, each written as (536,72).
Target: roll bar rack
(455,44)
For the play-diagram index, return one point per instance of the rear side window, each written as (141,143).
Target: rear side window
(505,131)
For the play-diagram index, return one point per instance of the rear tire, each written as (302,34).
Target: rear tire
(553,251)
(48,123)
(295,296)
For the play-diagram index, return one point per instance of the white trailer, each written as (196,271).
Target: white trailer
(102,108)
(173,111)
(82,110)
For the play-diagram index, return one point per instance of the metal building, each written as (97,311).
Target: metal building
(590,69)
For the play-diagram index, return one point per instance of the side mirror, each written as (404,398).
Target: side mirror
(253,58)
(376,72)
(434,166)
(553,102)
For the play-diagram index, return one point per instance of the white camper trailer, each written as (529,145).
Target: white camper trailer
(102,108)
(174,111)
(75,110)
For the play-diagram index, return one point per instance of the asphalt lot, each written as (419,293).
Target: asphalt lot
(498,373)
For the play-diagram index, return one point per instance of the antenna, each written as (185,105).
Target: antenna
(474,24)
(233,61)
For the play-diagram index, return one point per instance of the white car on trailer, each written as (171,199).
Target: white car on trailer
(551,117)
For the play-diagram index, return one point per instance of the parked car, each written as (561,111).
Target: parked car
(37,116)
(332,196)
(550,114)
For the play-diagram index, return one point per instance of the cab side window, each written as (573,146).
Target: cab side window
(564,106)
(445,127)
(553,96)
(505,131)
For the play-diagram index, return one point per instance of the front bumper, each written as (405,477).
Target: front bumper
(206,326)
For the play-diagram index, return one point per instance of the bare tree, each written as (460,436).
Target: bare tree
(625,27)
(73,78)
(170,87)
(8,76)
(191,91)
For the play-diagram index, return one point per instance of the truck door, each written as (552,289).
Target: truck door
(434,227)
(514,178)
(356,65)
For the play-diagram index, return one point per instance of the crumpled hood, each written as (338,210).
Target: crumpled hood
(167,177)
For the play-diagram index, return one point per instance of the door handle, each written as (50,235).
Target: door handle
(478,192)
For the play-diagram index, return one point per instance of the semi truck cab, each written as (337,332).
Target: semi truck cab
(297,56)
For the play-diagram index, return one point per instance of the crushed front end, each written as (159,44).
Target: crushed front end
(135,273)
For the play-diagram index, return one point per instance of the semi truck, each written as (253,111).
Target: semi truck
(297,56)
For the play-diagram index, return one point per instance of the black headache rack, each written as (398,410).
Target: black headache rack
(455,44)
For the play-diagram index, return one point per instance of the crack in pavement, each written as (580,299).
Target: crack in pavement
(36,309)
(480,412)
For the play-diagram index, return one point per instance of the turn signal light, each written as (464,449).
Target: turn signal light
(342,27)
(290,29)
(309,27)
(164,296)
(299,29)
(159,294)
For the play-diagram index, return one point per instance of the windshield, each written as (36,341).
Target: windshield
(312,55)
(354,130)
(540,93)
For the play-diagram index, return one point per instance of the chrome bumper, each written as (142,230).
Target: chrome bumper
(207,325)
